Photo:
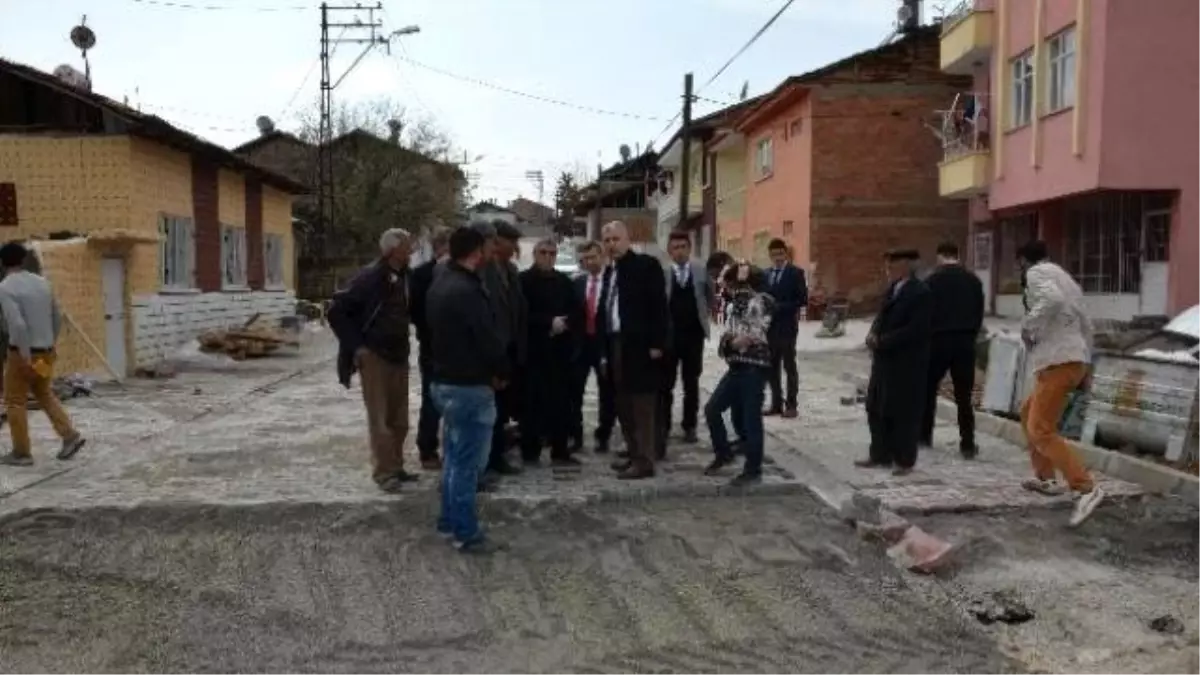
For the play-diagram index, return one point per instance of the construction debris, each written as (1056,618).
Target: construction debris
(257,337)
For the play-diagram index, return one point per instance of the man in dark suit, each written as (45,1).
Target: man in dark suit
(509,311)
(422,278)
(957,318)
(689,303)
(590,346)
(634,322)
(787,287)
(899,344)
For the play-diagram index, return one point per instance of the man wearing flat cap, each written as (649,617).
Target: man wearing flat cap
(899,342)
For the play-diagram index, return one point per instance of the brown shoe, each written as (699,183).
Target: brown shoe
(791,413)
(635,472)
(433,463)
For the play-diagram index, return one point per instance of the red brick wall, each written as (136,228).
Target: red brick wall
(875,170)
(255,274)
(205,207)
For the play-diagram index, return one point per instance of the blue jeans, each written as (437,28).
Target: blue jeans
(468,413)
(740,391)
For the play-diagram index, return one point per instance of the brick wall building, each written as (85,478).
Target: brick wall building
(840,165)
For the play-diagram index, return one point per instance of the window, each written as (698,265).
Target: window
(761,257)
(795,126)
(273,260)
(764,158)
(1021,72)
(1104,239)
(176,253)
(788,226)
(983,251)
(1014,232)
(1158,236)
(233,257)
(1061,65)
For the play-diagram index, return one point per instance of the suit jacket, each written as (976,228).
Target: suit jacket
(900,361)
(642,308)
(790,293)
(702,288)
(508,303)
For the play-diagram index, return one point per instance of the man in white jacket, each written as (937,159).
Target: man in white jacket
(1058,337)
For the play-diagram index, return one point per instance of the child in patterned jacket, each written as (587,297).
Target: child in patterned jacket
(744,347)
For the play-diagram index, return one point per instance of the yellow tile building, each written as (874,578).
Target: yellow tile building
(149,234)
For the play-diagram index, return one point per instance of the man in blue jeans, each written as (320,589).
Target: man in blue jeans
(745,347)
(469,363)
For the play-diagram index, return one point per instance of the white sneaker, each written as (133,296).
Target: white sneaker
(1085,504)
(1048,487)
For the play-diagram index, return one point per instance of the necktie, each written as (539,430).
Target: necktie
(591,305)
(775,276)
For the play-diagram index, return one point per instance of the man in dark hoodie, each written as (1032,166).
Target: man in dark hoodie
(501,280)
(371,321)
(422,279)
(957,319)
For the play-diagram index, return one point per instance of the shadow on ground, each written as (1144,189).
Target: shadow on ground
(732,585)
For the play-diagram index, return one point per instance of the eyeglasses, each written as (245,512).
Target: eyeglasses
(546,252)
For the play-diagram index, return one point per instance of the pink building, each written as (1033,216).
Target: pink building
(1082,131)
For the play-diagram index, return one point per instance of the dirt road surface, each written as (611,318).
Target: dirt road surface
(745,585)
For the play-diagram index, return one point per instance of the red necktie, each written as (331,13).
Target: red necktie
(591,305)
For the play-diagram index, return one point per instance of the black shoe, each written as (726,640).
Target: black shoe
(871,464)
(745,479)
(406,477)
(969,450)
(601,447)
(689,436)
(431,463)
(71,446)
(623,454)
(772,412)
(565,463)
(391,485)
(902,471)
(620,465)
(503,468)
(485,485)
(531,462)
(717,464)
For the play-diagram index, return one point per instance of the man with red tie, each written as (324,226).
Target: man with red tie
(588,285)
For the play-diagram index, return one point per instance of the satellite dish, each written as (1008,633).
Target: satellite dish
(83,37)
(265,124)
(745,92)
(626,152)
(905,16)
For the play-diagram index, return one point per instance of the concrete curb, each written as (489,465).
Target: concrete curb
(1153,477)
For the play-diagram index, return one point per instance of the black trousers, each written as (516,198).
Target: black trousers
(588,363)
(783,358)
(546,408)
(428,420)
(954,354)
(685,360)
(507,405)
(894,424)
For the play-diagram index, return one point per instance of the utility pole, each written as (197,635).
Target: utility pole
(539,181)
(353,31)
(685,164)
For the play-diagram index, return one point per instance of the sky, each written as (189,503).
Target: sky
(214,66)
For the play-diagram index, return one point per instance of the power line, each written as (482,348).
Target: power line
(196,6)
(524,94)
(753,38)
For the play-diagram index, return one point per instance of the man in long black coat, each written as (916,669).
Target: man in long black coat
(899,342)
(634,322)
(546,405)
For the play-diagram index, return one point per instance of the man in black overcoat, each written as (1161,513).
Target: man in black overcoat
(634,323)
(899,341)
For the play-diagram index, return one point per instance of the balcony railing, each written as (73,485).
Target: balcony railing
(963,128)
(957,13)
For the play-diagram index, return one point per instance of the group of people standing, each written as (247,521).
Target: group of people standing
(928,328)
(498,345)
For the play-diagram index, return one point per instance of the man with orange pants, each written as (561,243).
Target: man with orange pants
(1058,338)
(33,320)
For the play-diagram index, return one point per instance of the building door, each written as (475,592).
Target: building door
(1156,237)
(982,263)
(113,287)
